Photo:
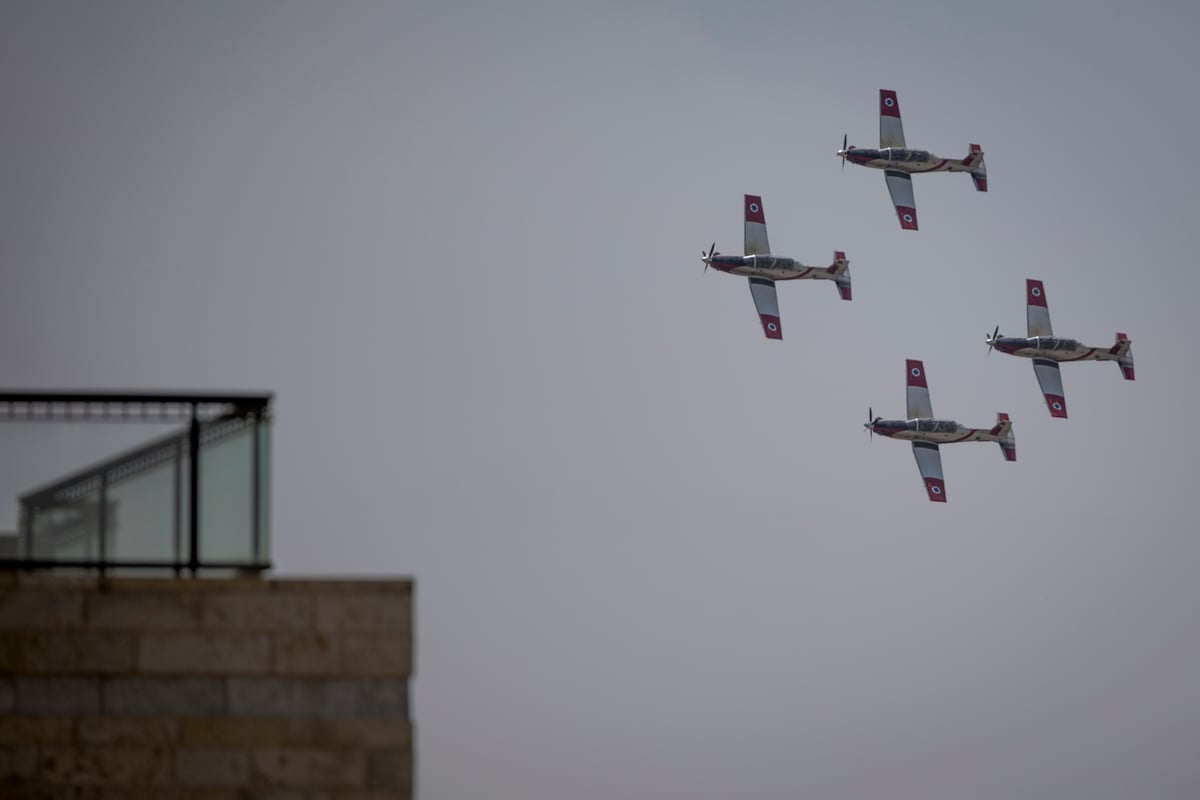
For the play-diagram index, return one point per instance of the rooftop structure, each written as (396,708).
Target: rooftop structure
(195,499)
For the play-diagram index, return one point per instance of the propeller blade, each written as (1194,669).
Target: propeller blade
(845,138)
(992,340)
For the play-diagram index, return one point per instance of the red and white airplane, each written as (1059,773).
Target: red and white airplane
(926,433)
(899,163)
(1046,350)
(764,269)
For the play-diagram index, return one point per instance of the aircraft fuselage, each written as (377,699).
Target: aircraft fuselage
(1052,348)
(773,268)
(903,159)
(934,431)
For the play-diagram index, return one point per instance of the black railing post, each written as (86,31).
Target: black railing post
(194,493)
(255,492)
(102,520)
(177,517)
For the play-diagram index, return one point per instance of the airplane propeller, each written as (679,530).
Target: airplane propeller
(871,420)
(845,138)
(992,341)
(706,257)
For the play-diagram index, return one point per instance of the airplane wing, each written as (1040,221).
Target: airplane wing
(929,462)
(919,406)
(891,129)
(767,304)
(1037,313)
(756,227)
(900,186)
(1050,379)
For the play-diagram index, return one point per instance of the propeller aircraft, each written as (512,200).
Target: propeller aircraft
(926,433)
(1047,351)
(899,163)
(764,269)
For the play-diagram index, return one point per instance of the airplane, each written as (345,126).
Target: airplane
(926,433)
(898,162)
(1046,350)
(763,269)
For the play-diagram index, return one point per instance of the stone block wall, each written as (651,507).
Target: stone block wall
(204,689)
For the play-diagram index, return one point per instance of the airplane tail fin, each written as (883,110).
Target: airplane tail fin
(1124,353)
(1005,437)
(840,270)
(978,169)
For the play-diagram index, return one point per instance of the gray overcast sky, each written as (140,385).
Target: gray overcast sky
(657,555)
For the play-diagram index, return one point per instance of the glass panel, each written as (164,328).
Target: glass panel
(182,531)
(70,530)
(141,520)
(147,499)
(262,548)
(226,493)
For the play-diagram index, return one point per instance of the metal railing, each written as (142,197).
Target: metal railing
(78,511)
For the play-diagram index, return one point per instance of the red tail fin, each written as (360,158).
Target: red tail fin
(841,269)
(974,161)
(1124,357)
(1003,429)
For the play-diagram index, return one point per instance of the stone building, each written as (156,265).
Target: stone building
(120,681)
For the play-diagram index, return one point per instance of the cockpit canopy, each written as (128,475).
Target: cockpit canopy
(1052,343)
(903,154)
(933,425)
(771,262)
(920,425)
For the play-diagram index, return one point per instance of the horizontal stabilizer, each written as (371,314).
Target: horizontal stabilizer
(975,162)
(1122,350)
(841,272)
(1007,442)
